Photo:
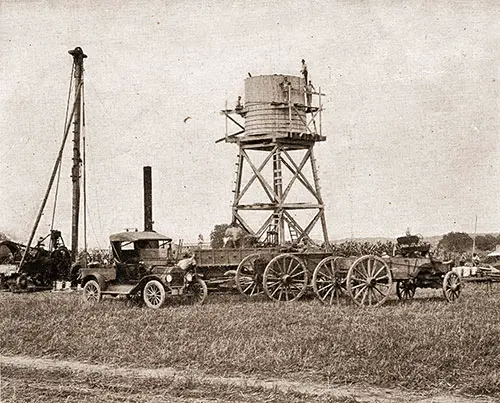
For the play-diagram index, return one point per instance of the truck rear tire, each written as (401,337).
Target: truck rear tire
(92,291)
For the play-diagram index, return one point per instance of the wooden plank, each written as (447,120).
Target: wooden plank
(229,256)
(288,206)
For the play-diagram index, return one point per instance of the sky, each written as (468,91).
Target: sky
(411,109)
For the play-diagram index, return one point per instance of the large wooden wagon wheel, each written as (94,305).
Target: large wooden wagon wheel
(369,281)
(285,278)
(249,274)
(328,281)
(451,286)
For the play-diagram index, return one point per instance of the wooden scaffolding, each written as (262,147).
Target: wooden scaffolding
(278,158)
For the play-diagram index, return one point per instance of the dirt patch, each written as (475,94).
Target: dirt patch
(359,393)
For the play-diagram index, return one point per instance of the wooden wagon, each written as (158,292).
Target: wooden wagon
(283,274)
(369,279)
(286,274)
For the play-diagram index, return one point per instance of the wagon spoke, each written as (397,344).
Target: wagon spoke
(365,291)
(362,274)
(295,268)
(254,288)
(250,284)
(379,271)
(330,291)
(333,294)
(286,293)
(325,287)
(380,292)
(301,273)
(275,291)
(363,266)
(371,267)
(272,284)
(360,291)
(275,272)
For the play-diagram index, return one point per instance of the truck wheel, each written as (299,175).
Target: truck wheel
(92,291)
(197,292)
(154,294)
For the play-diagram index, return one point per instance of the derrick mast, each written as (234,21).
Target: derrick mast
(282,123)
(78,57)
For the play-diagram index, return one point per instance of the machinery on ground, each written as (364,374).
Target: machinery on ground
(27,268)
(41,266)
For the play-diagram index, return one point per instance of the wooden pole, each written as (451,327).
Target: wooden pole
(78,57)
(474,238)
(320,108)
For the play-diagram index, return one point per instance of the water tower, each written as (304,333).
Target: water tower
(279,124)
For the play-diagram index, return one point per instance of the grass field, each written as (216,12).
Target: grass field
(426,344)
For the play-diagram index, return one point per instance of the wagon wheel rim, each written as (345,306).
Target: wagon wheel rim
(452,286)
(285,278)
(369,281)
(154,294)
(328,282)
(92,291)
(405,289)
(249,277)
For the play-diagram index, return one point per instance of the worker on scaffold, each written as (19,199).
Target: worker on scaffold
(309,89)
(239,107)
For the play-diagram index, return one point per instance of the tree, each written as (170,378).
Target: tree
(456,242)
(486,242)
(217,235)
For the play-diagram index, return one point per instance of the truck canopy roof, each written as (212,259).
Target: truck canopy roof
(133,236)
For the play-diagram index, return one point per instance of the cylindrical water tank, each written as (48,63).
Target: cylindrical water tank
(267,105)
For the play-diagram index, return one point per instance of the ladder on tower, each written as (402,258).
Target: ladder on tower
(294,235)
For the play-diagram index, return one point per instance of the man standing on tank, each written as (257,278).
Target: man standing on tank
(303,70)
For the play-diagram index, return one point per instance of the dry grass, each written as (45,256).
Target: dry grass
(56,386)
(422,345)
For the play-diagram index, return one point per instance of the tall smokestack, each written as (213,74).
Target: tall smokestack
(148,200)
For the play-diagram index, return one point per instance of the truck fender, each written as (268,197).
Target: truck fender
(140,285)
(97,277)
